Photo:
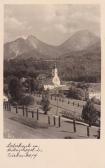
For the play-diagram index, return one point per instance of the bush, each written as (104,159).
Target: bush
(89,113)
(76,93)
(26,100)
(15,89)
(95,100)
(45,104)
(82,85)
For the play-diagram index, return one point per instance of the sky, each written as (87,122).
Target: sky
(52,24)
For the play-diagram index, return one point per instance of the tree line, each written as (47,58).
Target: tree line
(33,68)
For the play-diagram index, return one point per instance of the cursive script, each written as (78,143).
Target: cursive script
(21,150)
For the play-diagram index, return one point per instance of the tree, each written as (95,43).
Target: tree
(95,100)
(45,103)
(76,93)
(15,89)
(89,113)
(32,85)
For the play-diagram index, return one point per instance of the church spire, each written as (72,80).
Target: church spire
(55,65)
(56,80)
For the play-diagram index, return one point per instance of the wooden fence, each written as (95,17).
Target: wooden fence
(56,120)
(67,100)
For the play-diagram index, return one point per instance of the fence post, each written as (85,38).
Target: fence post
(9,107)
(32,114)
(16,108)
(23,110)
(74,125)
(88,133)
(37,114)
(5,105)
(59,121)
(26,112)
(98,136)
(49,120)
(54,120)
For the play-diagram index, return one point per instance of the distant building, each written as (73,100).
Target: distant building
(95,94)
(5,98)
(55,82)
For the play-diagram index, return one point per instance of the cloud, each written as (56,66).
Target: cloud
(61,27)
(15,28)
(12,23)
(49,21)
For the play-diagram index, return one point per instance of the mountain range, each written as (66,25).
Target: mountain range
(31,47)
(78,58)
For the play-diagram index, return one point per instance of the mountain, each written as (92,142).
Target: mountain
(30,47)
(14,48)
(84,65)
(48,50)
(33,47)
(79,41)
(78,58)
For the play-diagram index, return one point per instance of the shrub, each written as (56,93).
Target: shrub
(89,113)
(82,85)
(26,100)
(76,93)
(95,100)
(15,89)
(45,104)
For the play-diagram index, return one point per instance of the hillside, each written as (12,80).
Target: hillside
(32,46)
(79,41)
(78,58)
(29,48)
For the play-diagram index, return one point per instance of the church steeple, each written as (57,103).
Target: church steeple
(56,80)
(55,70)
(55,65)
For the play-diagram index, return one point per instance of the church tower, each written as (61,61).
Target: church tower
(56,80)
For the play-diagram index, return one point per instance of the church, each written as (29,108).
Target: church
(55,81)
